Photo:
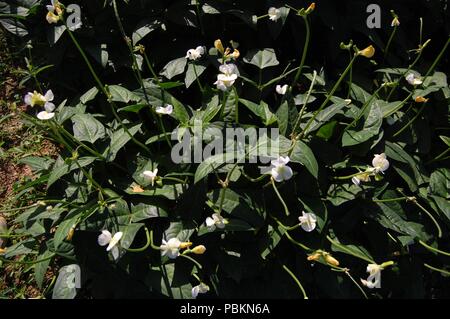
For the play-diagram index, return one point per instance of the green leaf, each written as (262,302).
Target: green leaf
(144,211)
(40,269)
(37,163)
(179,230)
(118,140)
(371,127)
(191,74)
(283,117)
(174,67)
(63,229)
(135,108)
(87,128)
(179,111)
(262,58)
(55,33)
(304,155)
(89,95)
(144,28)
(121,94)
(129,233)
(210,164)
(262,111)
(341,193)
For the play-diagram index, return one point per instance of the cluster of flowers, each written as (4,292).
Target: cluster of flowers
(379,165)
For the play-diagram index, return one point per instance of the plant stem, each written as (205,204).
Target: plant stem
(434,249)
(286,210)
(296,281)
(438,270)
(411,121)
(149,242)
(329,96)
(300,115)
(389,42)
(305,51)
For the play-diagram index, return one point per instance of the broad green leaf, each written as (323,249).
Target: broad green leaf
(63,229)
(40,269)
(194,70)
(135,108)
(99,52)
(303,154)
(144,211)
(282,115)
(179,111)
(121,94)
(262,58)
(179,230)
(262,111)
(129,233)
(118,140)
(371,128)
(87,128)
(89,95)
(174,67)
(144,28)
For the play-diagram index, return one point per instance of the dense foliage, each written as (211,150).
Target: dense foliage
(361,187)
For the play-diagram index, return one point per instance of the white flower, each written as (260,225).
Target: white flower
(229,69)
(194,54)
(170,248)
(167,109)
(228,77)
(216,220)
(413,80)
(380,163)
(308,221)
(151,175)
(199,289)
(280,171)
(274,13)
(48,113)
(36,98)
(374,279)
(281,89)
(395,22)
(105,238)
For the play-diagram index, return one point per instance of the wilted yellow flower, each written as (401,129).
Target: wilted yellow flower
(2,251)
(420,99)
(367,52)
(314,257)
(331,260)
(218,45)
(199,250)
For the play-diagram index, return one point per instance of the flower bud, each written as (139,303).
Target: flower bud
(199,250)
(331,260)
(186,244)
(367,52)
(311,8)
(218,45)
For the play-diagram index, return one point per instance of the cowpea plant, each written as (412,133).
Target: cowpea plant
(355,205)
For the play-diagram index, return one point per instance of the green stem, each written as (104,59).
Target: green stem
(292,240)
(296,281)
(286,210)
(19,208)
(300,115)
(398,199)
(329,96)
(236,104)
(150,67)
(305,51)
(149,242)
(411,121)
(197,79)
(438,58)
(434,249)
(389,42)
(27,262)
(437,269)
(193,260)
